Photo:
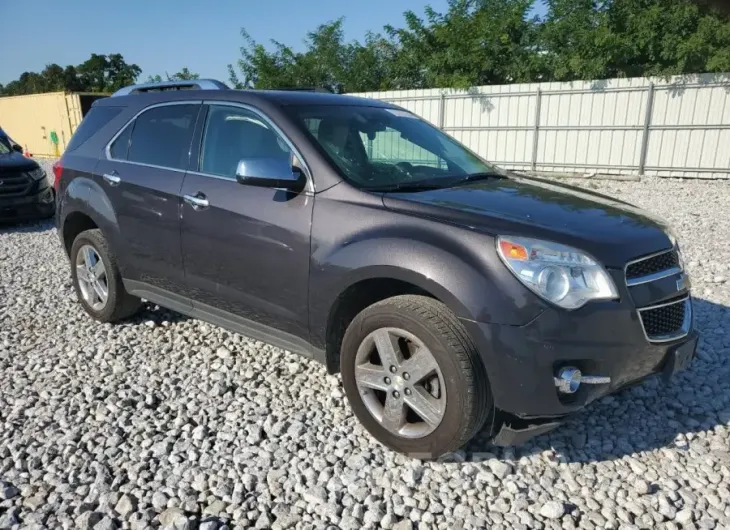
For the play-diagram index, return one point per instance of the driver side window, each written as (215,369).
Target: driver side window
(233,134)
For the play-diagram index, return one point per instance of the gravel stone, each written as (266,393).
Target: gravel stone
(388,521)
(87,520)
(9,519)
(552,510)
(684,516)
(372,517)
(499,468)
(642,487)
(159,501)
(154,421)
(173,518)
(209,524)
(8,491)
(125,506)
(105,524)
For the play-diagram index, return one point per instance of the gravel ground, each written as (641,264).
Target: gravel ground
(168,421)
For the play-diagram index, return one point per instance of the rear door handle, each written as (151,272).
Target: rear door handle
(197,201)
(112,178)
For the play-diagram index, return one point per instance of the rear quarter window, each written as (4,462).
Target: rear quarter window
(94,120)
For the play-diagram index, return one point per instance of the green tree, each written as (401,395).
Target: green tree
(328,61)
(482,42)
(107,73)
(476,42)
(183,75)
(582,39)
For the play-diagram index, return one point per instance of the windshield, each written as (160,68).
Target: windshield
(381,149)
(4,146)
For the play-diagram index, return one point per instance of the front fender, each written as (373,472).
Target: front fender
(470,280)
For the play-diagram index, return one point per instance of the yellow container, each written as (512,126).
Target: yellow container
(29,120)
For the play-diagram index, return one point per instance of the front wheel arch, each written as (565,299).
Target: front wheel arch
(368,291)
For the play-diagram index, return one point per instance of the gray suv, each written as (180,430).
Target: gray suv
(451,295)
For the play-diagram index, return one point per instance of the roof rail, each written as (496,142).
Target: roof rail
(193,84)
(304,89)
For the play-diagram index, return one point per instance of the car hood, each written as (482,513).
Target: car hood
(16,161)
(611,230)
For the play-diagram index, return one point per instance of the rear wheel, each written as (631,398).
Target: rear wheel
(97,280)
(413,377)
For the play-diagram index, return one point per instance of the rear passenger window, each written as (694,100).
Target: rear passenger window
(94,120)
(161,136)
(119,148)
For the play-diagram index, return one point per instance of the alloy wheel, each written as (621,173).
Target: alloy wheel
(400,382)
(92,277)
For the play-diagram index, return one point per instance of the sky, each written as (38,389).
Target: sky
(165,35)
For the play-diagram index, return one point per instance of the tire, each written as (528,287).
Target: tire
(118,304)
(411,323)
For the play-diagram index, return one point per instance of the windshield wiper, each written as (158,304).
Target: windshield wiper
(474,177)
(438,183)
(411,186)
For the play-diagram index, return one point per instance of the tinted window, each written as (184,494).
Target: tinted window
(233,134)
(120,146)
(161,136)
(94,120)
(4,146)
(382,147)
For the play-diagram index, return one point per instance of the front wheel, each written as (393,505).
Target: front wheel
(413,376)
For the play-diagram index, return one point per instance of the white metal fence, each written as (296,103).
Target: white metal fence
(676,127)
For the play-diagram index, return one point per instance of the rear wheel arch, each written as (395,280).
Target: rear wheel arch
(83,205)
(73,224)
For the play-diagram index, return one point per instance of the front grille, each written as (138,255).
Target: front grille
(652,265)
(12,184)
(667,321)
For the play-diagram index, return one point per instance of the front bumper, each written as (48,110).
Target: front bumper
(605,339)
(39,204)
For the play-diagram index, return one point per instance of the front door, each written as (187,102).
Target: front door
(245,248)
(143,173)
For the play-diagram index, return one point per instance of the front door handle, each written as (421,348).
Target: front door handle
(197,201)
(112,178)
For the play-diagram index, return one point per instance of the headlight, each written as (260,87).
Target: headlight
(562,275)
(37,174)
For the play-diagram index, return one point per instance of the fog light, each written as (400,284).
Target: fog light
(568,380)
(47,197)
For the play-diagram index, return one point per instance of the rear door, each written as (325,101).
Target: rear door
(246,249)
(143,171)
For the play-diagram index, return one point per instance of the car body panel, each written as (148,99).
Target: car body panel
(16,161)
(147,206)
(21,196)
(610,231)
(354,238)
(248,252)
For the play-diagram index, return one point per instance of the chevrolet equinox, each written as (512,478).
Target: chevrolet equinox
(451,296)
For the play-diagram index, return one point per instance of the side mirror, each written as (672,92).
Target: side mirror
(271,173)
(17,148)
